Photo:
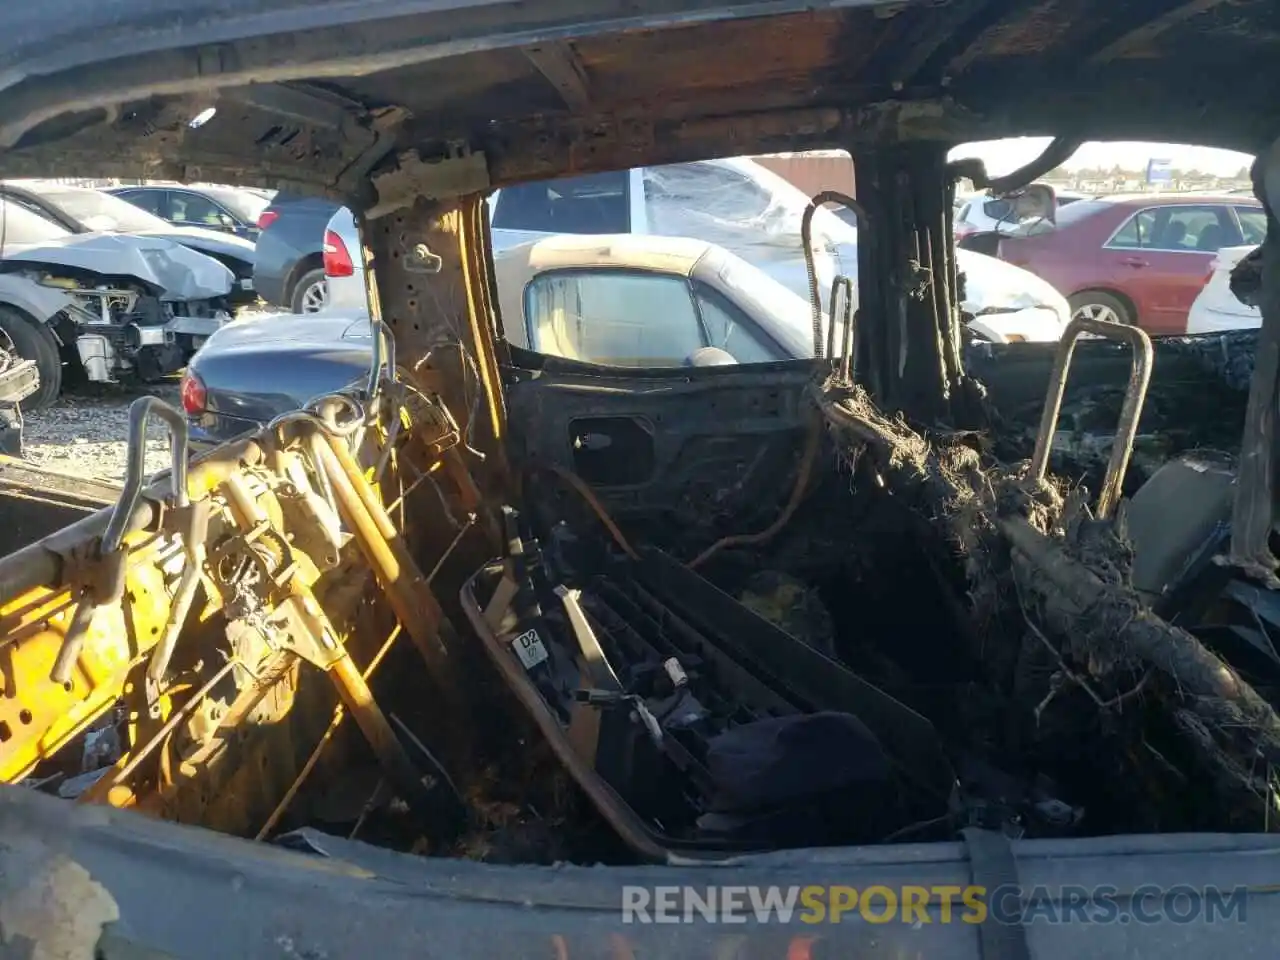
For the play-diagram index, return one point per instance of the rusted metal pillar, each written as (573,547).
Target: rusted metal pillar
(1254,513)
(908,326)
(431,263)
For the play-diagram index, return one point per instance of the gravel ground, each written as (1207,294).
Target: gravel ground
(85,432)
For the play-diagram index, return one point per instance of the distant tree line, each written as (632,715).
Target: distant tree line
(1117,172)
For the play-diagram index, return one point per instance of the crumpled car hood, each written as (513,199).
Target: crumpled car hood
(994,285)
(990,285)
(177,272)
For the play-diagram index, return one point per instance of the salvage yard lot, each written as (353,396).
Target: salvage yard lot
(85,432)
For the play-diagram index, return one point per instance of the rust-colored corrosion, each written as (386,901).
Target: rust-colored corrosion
(406,588)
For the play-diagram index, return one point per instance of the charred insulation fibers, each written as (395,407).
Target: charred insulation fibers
(891,602)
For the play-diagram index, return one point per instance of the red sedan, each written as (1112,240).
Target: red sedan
(1137,259)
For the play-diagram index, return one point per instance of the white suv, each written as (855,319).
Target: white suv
(344,264)
(734,203)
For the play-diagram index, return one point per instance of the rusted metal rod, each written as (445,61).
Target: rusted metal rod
(339,714)
(368,498)
(406,588)
(139,411)
(99,790)
(340,668)
(806,241)
(407,591)
(400,770)
(73,640)
(1134,396)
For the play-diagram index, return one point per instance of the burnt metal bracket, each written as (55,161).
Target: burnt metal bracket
(300,626)
(298,102)
(564,70)
(1135,396)
(597,664)
(907,736)
(190,524)
(460,171)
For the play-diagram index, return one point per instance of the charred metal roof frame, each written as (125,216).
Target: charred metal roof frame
(322,94)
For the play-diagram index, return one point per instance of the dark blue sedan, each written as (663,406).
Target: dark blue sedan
(253,369)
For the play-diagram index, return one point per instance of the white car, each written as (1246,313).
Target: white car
(983,213)
(343,258)
(735,204)
(1216,308)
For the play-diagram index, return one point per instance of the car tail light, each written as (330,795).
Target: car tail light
(337,261)
(194,395)
(267,218)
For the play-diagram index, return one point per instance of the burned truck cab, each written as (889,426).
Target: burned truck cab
(457,653)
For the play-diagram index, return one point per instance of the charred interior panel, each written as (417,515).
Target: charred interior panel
(694,458)
(562,89)
(903,594)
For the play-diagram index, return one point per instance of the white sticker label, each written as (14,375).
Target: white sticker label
(529,649)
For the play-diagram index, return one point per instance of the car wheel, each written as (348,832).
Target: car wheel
(34,341)
(1097,305)
(311,295)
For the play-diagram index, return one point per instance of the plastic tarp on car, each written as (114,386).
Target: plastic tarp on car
(750,211)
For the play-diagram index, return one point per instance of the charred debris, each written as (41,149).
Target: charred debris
(914,631)
(925,638)
(768,615)
(929,629)
(908,634)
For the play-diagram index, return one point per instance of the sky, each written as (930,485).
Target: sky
(1004,156)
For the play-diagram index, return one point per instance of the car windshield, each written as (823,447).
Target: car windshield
(245,204)
(18,225)
(83,205)
(765,296)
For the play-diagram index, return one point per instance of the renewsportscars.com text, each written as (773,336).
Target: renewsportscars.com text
(933,904)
